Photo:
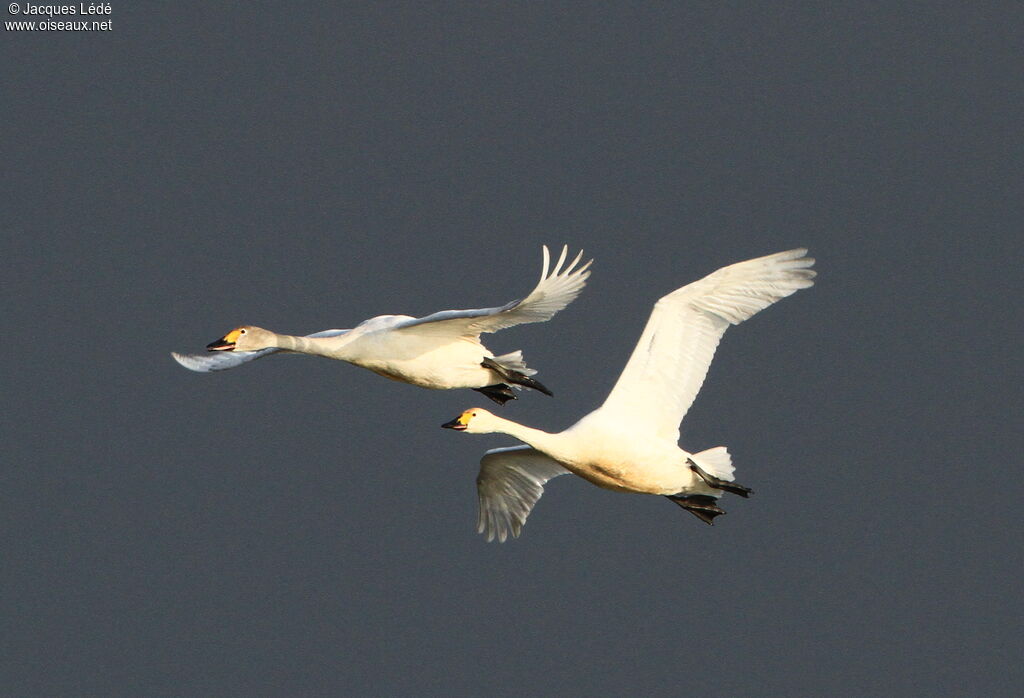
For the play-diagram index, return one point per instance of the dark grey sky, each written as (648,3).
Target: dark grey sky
(301,527)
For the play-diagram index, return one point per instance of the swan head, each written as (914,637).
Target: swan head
(245,338)
(475,420)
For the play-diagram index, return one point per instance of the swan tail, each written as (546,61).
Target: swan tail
(514,362)
(715,461)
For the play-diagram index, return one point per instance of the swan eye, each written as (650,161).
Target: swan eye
(241,332)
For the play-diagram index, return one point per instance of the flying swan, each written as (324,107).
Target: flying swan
(439,351)
(630,443)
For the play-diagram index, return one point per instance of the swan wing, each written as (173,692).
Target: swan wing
(510,482)
(554,291)
(223,360)
(668,365)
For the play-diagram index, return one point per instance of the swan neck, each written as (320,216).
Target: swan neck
(304,345)
(534,437)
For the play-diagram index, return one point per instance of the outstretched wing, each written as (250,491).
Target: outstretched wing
(668,365)
(510,482)
(553,292)
(223,360)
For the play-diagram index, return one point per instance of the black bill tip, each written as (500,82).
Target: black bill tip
(220,345)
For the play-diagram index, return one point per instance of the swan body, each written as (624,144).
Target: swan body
(440,351)
(630,443)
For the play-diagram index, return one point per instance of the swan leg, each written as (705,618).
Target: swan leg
(500,393)
(527,382)
(515,377)
(718,483)
(703,506)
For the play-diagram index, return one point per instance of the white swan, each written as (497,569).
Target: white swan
(438,351)
(630,444)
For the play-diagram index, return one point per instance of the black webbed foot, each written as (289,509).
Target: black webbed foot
(703,506)
(500,393)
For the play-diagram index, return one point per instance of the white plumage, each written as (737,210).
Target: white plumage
(440,351)
(630,442)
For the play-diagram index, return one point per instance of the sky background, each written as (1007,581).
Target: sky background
(302,527)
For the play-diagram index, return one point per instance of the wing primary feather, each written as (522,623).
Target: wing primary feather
(670,361)
(556,288)
(510,482)
(561,260)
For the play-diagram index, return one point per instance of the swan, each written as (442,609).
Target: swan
(630,443)
(439,351)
